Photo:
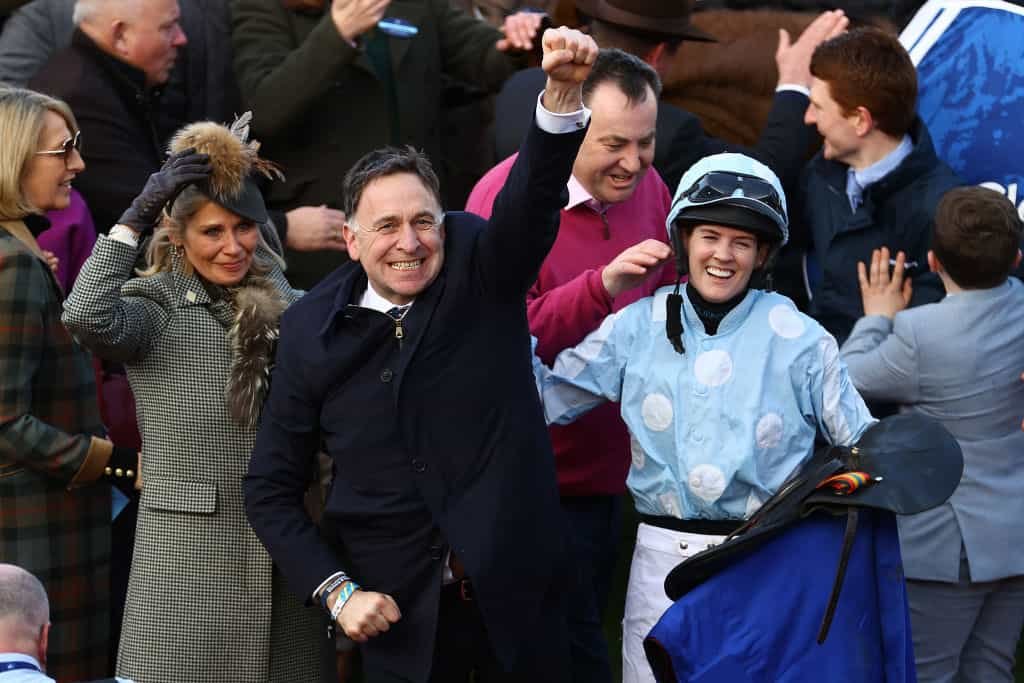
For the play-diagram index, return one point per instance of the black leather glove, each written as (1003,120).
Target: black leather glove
(180,169)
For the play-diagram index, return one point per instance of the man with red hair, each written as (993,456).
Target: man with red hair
(876,180)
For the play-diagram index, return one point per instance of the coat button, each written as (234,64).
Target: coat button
(419,466)
(436,552)
(386,375)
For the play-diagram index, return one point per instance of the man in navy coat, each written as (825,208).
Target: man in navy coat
(442,545)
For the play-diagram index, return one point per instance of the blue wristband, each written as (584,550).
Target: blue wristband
(331,587)
(346,592)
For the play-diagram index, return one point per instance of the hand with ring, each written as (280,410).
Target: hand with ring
(315,228)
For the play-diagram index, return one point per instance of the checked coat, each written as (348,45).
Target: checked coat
(51,522)
(204,602)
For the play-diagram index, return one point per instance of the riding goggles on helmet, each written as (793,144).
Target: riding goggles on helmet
(718,186)
(725,189)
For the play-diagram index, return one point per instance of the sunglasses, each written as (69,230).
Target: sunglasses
(66,147)
(719,185)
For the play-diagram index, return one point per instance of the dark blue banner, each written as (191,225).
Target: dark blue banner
(970,63)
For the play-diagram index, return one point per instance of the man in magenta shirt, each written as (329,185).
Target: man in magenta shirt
(610,251)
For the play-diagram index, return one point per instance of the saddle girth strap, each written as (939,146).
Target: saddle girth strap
(837,585)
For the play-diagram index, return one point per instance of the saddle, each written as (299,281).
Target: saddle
(904,464)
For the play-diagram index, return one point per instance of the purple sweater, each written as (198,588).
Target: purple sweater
(70,237)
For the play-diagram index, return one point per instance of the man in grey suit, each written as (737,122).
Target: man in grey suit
(957,361)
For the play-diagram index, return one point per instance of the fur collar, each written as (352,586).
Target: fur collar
(253,335)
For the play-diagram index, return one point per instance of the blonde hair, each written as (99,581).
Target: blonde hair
(159,252)
(22,113)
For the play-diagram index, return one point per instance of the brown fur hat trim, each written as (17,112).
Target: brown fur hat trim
(232,156)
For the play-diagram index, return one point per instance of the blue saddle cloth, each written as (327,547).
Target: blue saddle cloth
(757,620)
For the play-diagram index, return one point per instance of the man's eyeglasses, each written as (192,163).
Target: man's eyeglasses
(72,143)
(719,185)
(423,223)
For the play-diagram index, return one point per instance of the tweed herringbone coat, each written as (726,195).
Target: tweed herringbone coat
(54,515)
(204,601)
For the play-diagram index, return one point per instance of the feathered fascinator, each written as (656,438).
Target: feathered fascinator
(235,163)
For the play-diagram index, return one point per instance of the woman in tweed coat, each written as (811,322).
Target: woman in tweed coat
(54,500)
(196,332)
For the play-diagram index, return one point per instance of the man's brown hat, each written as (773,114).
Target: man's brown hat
(658,17)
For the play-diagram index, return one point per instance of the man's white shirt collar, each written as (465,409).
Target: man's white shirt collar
(372,300)
(22,674)
(19,657)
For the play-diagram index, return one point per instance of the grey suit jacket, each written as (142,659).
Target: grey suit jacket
(958,361)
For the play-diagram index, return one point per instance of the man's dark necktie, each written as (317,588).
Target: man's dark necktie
(398,312)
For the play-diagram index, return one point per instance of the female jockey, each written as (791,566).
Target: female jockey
(724,388)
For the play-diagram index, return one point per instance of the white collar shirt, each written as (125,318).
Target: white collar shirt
(374,301)
(21,675)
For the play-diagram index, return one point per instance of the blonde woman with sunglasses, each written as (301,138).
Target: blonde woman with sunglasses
(54,457)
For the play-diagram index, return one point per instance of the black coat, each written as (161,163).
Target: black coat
(897,212)
(319,104)
(681,140)
(200,86)
(437,441)
(116,114)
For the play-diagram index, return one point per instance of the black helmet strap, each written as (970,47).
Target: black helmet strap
(674,318)
(674,301)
